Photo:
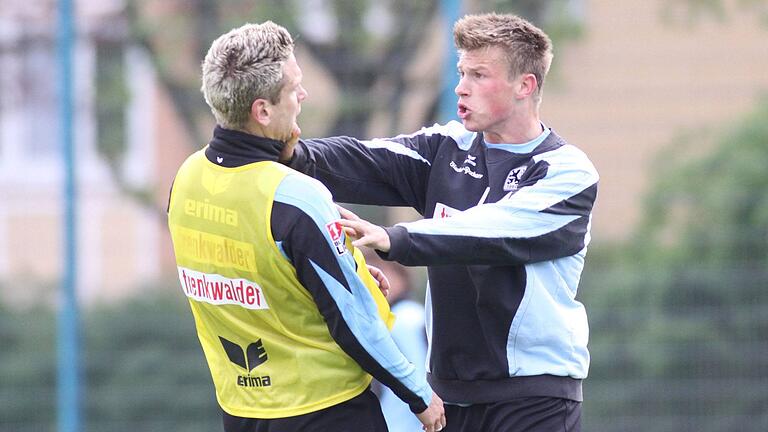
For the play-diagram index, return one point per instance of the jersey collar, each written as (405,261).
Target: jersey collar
(230,148)
(523,148)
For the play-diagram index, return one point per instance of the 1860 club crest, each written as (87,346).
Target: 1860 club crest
(513,178)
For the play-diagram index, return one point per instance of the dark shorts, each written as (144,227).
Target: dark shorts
(361,413)
(534,414)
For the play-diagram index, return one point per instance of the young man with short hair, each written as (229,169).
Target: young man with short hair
(507,205)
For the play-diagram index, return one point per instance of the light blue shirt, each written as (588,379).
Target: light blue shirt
(408,333)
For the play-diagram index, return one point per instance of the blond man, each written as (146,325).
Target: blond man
(290,320)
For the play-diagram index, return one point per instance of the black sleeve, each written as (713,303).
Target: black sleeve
(305,246)
(389,172)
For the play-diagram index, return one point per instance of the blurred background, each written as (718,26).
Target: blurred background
(669,98)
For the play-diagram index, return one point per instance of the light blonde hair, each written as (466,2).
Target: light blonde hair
(241,66)
(528,49)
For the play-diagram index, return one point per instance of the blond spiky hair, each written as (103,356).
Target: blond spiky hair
(241,66)
(528,49)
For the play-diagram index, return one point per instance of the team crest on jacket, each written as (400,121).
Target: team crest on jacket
(336,232)
(513,178)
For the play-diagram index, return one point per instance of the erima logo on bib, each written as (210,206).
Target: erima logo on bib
(252,357)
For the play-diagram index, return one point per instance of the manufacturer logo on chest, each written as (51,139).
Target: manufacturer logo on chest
(466,167)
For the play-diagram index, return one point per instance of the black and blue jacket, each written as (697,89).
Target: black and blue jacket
(504,236)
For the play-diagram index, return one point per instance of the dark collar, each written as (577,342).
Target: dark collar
(230,148)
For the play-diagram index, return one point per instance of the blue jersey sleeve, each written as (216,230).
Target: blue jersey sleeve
(303,225)
(544,220)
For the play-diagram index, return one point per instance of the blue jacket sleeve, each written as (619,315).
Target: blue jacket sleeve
(301,214)
(410,336)
(544,220)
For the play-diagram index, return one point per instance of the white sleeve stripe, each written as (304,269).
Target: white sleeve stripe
(395,148)
(496,224)
(453,129)
(571,156)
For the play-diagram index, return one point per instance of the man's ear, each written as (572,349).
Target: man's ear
(528,86)
(261,111)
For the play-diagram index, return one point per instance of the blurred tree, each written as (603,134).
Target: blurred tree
(692,11)
(685,303)
(176,34)
(355,50)
(359,42)
(143,368)
(680,312)
(707,227)
(27,368)
(715,204)
(112,96)
(366,47)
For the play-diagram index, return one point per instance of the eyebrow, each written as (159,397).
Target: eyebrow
(291,84)
(472,68)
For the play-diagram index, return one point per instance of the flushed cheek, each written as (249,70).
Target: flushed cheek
(498,110)
(498,105)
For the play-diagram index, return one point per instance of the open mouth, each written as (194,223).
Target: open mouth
(462,111)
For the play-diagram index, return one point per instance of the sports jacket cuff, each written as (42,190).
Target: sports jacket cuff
(399,245)
(418,407)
